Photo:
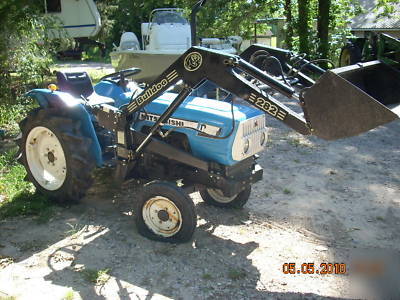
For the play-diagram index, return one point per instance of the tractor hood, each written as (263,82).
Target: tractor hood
(211,117)
(205,111)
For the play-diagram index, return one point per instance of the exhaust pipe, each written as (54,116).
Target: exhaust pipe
(347,101)
(193,22)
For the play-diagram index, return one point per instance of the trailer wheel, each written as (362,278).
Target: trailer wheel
(165,213)
(216,197)
(349,55)
(56,155)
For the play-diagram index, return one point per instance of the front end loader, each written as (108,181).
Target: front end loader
(178,142)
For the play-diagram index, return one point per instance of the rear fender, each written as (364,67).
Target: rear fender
(74,109)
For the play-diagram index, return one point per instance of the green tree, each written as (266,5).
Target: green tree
(388,6)
(323,28)
(221,18)
(218,18)
(289,24)
(24,51)
(303,28)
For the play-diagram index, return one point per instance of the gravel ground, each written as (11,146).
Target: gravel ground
(319,202)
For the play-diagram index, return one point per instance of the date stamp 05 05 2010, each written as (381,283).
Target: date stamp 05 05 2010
(361,267)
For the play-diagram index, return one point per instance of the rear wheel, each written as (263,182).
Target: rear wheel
(217,198)
(56,155)
(349,55)
(165,212)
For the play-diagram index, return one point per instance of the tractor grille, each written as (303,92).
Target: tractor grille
(253,125)
(250,139)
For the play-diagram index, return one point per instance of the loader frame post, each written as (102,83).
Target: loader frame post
(164,117)
(229,72)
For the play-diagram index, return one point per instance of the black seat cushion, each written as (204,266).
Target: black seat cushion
(77,84)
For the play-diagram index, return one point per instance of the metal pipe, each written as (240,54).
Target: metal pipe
(265,78)
(193,24)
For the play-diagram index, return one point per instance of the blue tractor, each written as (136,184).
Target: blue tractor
(176,141)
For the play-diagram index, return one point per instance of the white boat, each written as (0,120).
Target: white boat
(164,38)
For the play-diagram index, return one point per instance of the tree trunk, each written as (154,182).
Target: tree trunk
(323,28)
(289,24)
(302,26)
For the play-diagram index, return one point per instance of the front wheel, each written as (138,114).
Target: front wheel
(217,198)
(165,213)
(56,155)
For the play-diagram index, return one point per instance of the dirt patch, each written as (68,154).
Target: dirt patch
(319,202)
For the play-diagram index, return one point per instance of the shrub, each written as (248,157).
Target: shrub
(24,48)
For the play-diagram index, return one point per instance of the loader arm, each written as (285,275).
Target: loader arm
(341,103)
(289,62)
(229,72)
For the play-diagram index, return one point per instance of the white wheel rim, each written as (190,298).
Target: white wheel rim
(45,157)
(162,216)
(218,196)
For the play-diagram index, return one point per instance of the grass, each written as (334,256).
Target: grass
(237,274)
(10,115)
(294,142)
(207,276)
(17,196)
(287,191)
(94,54)
(99,277)
(70,295)
(75,228)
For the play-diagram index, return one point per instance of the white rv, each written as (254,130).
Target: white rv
(78,18)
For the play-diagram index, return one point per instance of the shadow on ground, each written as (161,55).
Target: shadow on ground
(318,202)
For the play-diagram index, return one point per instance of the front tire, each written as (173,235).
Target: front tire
(165,213)
(56,155)
(215,197)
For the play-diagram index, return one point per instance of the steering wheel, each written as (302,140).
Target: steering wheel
(119,77)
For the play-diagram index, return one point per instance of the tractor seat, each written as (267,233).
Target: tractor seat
(79,84)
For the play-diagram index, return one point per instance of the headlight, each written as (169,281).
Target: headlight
(246,146)
(262,139)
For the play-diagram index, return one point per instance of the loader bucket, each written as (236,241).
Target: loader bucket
(351,100)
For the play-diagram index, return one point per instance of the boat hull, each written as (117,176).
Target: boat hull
(151,64)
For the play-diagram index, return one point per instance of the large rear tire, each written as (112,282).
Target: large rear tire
(56,155)
(165,213)
(350,55)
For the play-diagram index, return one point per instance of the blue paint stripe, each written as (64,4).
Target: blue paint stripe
(78,26)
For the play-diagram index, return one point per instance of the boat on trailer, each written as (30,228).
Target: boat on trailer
(165,37)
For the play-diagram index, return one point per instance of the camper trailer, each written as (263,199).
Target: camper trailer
(78,19)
